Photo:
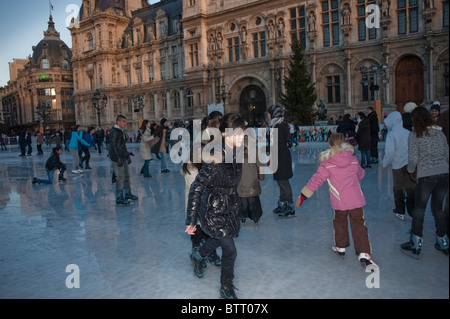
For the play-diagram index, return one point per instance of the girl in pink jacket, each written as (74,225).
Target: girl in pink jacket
(340,168)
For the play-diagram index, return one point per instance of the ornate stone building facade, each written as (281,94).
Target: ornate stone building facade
(40,91)
(135,58)
(174,58)
(360,51)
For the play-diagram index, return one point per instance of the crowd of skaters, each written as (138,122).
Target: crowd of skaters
(414,182)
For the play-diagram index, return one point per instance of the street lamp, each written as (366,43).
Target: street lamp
(43,110)
(222,94)
(376,70)
(99,104)
(138,103)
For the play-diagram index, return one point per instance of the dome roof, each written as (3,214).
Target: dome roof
(51,47)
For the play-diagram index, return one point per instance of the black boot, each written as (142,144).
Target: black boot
(280,208)
(129,196)
(227,290)
(290,210)
(215,259)
(121,201)
(198,262)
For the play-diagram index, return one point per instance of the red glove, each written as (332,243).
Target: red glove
(300,200)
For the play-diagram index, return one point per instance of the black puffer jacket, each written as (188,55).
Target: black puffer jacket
(53,162)
(214,201)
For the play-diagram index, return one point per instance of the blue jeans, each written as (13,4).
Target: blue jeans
(436,187)
(50,175)
(163,160)
(144,169)
(365,158)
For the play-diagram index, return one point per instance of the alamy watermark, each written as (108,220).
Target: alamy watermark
(228,147)
(73,279)
(373,17)
(373,279)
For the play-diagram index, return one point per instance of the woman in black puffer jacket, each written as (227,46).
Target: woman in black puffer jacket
(214,201)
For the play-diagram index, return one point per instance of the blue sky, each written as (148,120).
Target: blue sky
(22,23)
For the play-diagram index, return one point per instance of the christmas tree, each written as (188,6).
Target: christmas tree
(300,93)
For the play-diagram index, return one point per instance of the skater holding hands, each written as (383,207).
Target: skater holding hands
(340,167)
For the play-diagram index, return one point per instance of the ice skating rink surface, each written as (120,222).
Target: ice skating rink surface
(53,235)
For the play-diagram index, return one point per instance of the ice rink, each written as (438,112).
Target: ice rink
(141,251)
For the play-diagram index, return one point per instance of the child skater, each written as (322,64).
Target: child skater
(190,171)
(214,201)
(53,163)
(340,167)
(249,188)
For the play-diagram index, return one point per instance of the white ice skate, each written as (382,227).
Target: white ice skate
(339,251)
(366,259)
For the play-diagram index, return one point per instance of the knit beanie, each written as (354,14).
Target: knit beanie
(436,106)
(409,107)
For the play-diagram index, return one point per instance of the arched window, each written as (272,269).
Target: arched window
(65,65)
(45,64)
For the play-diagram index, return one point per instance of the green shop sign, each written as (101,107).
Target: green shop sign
(43,77)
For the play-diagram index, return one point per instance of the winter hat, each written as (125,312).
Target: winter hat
(276,111)
(409,107)
(436,106)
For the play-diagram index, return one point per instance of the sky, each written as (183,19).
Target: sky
(22,26)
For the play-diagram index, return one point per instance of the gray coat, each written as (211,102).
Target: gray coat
(144,147)
(249,185)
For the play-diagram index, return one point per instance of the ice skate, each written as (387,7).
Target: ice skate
(62,179)
(442,244)
(399,216)
(198,262)
(121,201)
(339,251)
(227,290)
(366,260)
(35,181)
(288,211)
(280,208)
(129,196)
(215,259)
(413,247)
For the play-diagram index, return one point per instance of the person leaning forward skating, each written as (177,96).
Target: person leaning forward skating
(120,158)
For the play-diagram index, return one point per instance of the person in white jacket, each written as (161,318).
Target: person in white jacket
(396,154)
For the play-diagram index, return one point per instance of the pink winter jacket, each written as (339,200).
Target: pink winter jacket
(340,167)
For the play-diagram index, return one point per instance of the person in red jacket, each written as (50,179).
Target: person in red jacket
(340,168)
